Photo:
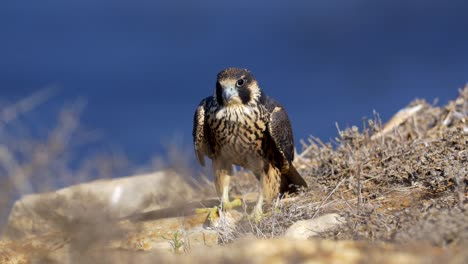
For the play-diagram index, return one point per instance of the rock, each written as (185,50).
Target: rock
(309,228)
(400,117)
(104,199)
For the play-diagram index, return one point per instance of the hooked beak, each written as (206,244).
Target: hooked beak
(229,93)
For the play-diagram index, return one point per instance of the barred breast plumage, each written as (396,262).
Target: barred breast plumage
(238,132)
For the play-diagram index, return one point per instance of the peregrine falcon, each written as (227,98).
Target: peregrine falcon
(241,125)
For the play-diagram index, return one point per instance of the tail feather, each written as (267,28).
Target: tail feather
(292,180)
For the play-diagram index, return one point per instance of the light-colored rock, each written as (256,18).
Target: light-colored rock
(400,117)
(104,199)
(309,228)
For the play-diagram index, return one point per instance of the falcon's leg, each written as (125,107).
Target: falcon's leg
(269,186)
(223,172)
(257,213)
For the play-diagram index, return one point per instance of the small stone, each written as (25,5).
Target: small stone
(305,229)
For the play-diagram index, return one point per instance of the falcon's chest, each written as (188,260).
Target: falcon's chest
(239,130)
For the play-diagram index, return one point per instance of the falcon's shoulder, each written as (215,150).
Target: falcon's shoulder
(279,127)
(200,133)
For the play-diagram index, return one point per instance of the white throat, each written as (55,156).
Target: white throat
(235,113)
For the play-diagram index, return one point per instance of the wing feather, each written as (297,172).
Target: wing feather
(280,129)
(280,132)
(199,132)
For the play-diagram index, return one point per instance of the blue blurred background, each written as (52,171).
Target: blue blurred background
(143,66)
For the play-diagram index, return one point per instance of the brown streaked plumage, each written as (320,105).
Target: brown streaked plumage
(240,125)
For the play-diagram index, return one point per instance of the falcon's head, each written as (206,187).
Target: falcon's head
(236,86)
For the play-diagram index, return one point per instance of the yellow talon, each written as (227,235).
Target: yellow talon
(234,203)
(212,212)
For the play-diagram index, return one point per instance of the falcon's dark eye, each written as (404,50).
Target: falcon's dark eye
(240,82)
